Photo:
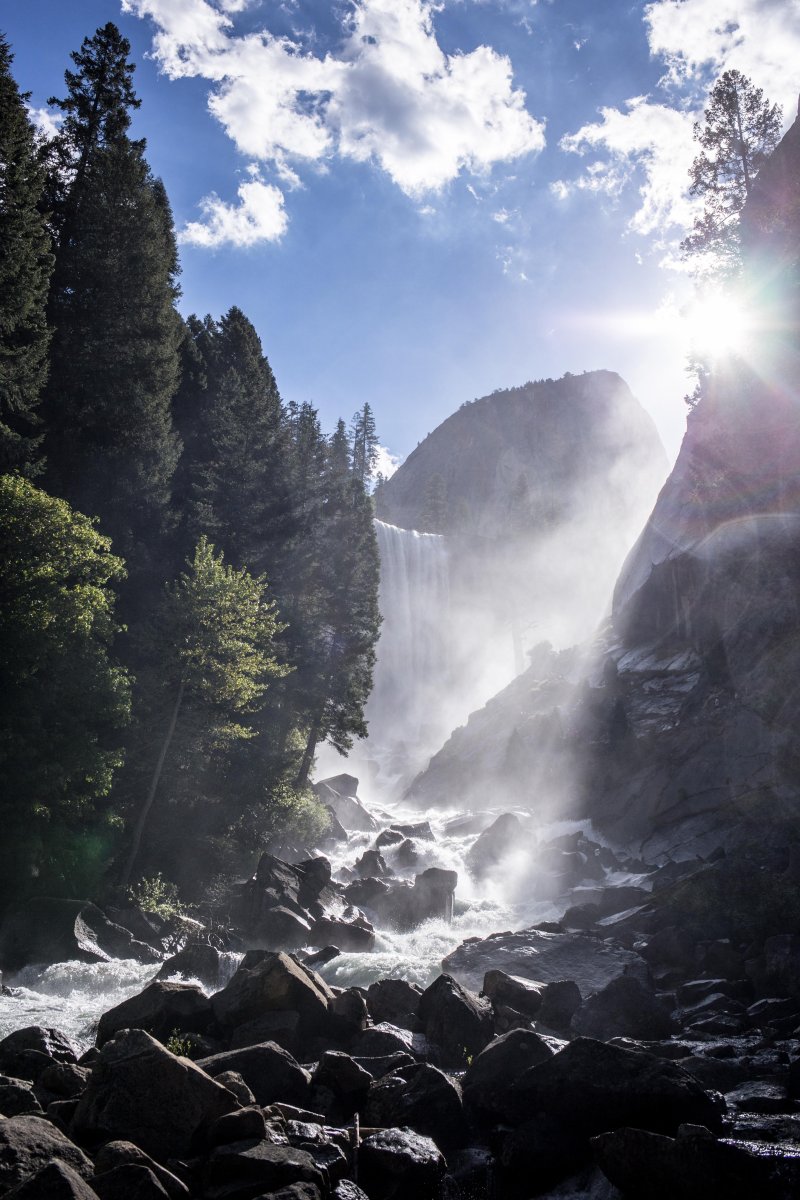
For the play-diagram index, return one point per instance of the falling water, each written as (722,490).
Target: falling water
(413,658)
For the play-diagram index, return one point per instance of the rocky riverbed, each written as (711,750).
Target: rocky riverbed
(374,1033)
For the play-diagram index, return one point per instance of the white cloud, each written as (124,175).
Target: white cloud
(389,95)
(258,217)
(386,463)
(650,142)
(647,136)
(45,120)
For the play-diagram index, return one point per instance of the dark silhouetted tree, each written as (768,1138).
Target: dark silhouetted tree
(26,263)
(364,445)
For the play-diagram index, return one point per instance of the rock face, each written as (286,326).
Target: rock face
(51,930)
(544,957)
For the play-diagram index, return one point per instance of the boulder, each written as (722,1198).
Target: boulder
(236,1085)
(393,1000)
(491,1074)
(561,999)
(346,1081)
(382,1039)
(355,934)
(625,1007)
(28,1143)
(274,983)
(523,995)
(17,1096)
(695,1166)
(160,1009)
(246,1124)
(536,954)
(49,930)
(349,1013)
(340,792)
(279,928)
(404,905)
(371,864)
(591,1087)
(64,1079)
(422,1098)
(457,1021)
(396,1163)
(131,1181)
(505,834)
(389,837)
(280,1027)
(206,964)
(118,1154)
(254,1169)
(27,1052)
(56,1181)
(268,1070)
(421,830)
(140,1092)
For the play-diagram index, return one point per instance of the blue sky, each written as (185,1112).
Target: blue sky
(418,203)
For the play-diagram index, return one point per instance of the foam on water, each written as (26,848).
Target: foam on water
(71,996)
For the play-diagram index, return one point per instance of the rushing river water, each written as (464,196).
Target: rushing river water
(71,996)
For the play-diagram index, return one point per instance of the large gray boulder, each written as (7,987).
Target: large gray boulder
(140,1092)
(274,983)
(399,1162)
(340,792)
(268,1070)
(160,1009)
(28,1143)
(50,930)
(545,957)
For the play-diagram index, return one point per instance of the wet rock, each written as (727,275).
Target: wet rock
(341,1077)
(561,999)
(26,1053)
(393,1000)
(349,1012)
(274,983)
(340,792)
(760,1097)
(355,934)
(252,1169)
(279,928)
(422,1098)
(457,1021)
(592,1086)
(491,1074)
(504,835)
(403,905)
(160,1009)
(28,1143)
(269,1071)
(17,1096)
(119,1153)
(196,961)
(420,830)
(389,837)
(386,1064)
(624,1008)
(56,1181)
(372,864)
(49,930)
(319,957)
(347,1190)
(695,1166)
(131,1181)
(247,1123)
(280,1027)
(64,1079)
(383,1038)
(140,1092)
(397,1163)
(364,892)
(588,961)
(522,995)
(336,831)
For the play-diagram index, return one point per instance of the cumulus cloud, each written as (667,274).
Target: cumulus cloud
(259,216)
(388,95)
(386,463)
(45,120)
(649,141)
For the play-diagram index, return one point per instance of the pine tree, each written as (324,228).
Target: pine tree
(364,445)
(25,266)
(111,444)
(740,130)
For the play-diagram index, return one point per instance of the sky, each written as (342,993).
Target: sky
(416,202)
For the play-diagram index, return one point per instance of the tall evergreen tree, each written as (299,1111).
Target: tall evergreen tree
(111,444)
(364,445)
(26,263)
(739,132)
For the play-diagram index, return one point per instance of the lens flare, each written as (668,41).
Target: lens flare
(719,326)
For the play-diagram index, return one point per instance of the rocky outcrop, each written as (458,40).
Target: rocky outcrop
(49,930)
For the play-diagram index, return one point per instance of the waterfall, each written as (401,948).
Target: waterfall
(413,655)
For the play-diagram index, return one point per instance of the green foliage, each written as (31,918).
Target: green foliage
(157,895)
(63,701)
(740,131)
(25,266)
(181,1044)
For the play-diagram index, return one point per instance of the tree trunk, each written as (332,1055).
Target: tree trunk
(144,812)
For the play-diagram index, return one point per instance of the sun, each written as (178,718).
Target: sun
(719,326)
